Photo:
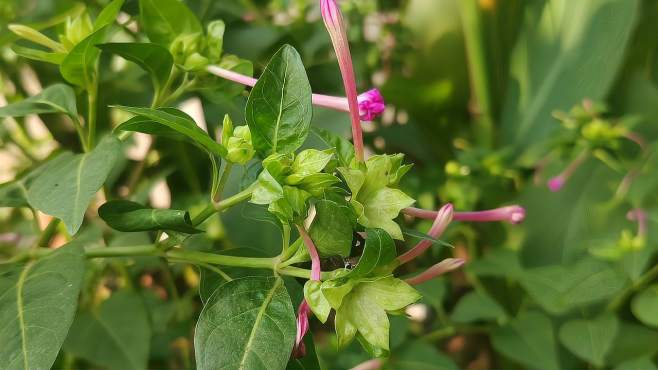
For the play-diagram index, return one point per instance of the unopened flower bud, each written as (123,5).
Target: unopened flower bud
(371,105)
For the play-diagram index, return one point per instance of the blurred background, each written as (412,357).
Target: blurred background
(490,100)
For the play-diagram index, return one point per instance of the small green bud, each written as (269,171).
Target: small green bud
(239,147)
(215,40)
(184,46)
(77,29)
(227,129)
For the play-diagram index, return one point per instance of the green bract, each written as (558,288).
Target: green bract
(374,199)
(237,142)
(288,181)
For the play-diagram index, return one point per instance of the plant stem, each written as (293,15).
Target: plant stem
(644,280)
(223,180)
(219,259)
(81,133)
(211,209)
(92,100)
(477,63)
(48,233)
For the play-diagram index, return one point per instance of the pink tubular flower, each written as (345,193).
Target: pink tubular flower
(556,183)
(445,266)
(333,20)
(371,103)
(443,218)
(304,309)
(513,214)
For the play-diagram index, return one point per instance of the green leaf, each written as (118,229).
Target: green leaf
(419,355)
(332,228)
(164,20)
(14,193)
(311,161)
(247,323)
(559,288)
(476,306)
(40,55)
(116,336)
(153,58)
(645,306)
(566,51)
(530,340)
(175,120)
(127,216)
(57,98)
(316,300)
(79,65)
(344,149)
(65,189)
(279,108)
(379,252)
(108,15)
(632,341)
(267,189)
(590,339)
(37,306)
(643,363)
(382,207)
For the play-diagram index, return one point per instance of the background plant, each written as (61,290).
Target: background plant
(491,100)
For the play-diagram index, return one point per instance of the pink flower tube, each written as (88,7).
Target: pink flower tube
(371,103)
(333,20)
(441,221)
(443,267)
(513,214)
(556,183)
(304,309)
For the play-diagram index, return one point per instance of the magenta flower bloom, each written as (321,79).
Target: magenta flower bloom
(371,105)
(335,24)
(556,183)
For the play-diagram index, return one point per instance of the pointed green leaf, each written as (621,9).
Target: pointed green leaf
(58,98)
(316,300)
(127,216)
(108,15)
(14,193)
(117,336)
(590,339)
(645,306)
(65,189)
(476,306)
(153,58)
(37,305)
(40,55)
(79,65)
(332,228)
(279,108)
(528,339)
(247,323)
(344,149)
(164,20)
(175,120)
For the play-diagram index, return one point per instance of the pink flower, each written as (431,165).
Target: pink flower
(513,214)
(556,183)
(333,20)
(371,105)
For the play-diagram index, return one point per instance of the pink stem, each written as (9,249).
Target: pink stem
(312,251)
(556,183)
(332,102)
(512,214)
(442,220)
(445,266)
(335,25)
(637,139)
(304,309)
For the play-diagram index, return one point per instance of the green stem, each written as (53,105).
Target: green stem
(81,133)
(48,233)
(644,280)
(92,100)
(477,63)
(219,259)
(211,209)
(223,180)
